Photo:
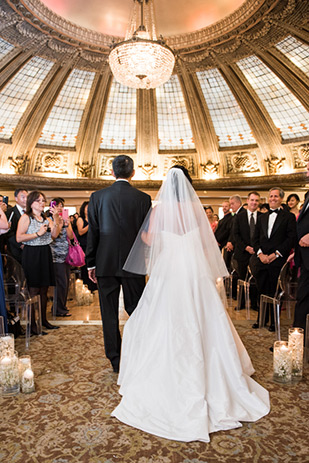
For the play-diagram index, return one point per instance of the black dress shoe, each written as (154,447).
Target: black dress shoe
(255,326)
(63,314)
(272,328)
(48,326)
(116,369)
(36,334)
(271,349)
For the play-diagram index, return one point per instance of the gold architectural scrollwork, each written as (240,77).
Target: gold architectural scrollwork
(51,162)
(300,155)
(186,161)
(84,170)
(242,162)
(210,170)
(20,164)
(148,170)
(275,164)
(106,166)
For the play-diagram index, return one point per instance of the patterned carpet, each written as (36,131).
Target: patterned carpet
(68,418)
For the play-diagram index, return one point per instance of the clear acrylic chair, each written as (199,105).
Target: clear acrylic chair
(18,299)
(243,286)
(282,294)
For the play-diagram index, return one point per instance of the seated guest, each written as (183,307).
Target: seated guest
(36,232)
(210,215)
(274,237)
(292,203)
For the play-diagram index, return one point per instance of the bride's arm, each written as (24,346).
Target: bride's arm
(147,235)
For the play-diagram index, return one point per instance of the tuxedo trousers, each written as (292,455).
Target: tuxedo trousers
(266,279)
(109,290)
(302,299)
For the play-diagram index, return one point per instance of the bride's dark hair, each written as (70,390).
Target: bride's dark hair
(185,171)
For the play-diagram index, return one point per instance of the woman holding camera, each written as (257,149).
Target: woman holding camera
(36,232)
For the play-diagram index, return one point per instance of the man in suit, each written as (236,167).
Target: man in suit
(274,237)
(243,231)
(13,215)
(302,260)
(115,215)
(223,229)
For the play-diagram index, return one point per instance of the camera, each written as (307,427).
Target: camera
(6,200)
(48,229)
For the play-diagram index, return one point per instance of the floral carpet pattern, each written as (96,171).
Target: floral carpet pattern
(67,419)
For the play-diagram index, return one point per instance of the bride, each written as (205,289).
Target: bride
(184,372)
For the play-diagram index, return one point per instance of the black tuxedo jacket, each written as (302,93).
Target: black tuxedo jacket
(302,226)
(115,215)
(223,229)
(282,238)
(231,237)
(14,248)
(241,232)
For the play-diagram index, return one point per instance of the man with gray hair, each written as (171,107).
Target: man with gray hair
(274,237)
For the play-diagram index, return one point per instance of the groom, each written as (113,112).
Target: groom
(115,215)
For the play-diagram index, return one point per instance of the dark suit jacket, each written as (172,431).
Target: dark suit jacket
(231,237)
(282,237)
(223,229)
(14,248)
(302,226)
(115,215)
(241,233)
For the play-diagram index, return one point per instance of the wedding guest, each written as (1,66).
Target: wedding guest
(210,215)
(264,208)
(3,313)
(82,230)
(13,215)
(292,202)
(60,249)
(36,232)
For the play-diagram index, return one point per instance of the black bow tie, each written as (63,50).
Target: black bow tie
(274,210)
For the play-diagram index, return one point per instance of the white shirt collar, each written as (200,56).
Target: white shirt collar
(122,180)
(20,209)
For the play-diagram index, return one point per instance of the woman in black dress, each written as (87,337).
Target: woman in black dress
(36,232)
(82,228)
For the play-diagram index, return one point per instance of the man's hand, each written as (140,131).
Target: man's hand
(304,241)
(250,250)
(264,258)
(272,257)
(91,275)
(229,246)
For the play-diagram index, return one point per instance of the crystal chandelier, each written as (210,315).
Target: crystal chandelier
(141,60)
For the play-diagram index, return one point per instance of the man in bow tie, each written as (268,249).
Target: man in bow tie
(275,235)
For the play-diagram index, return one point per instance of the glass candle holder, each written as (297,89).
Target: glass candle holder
(9,374)
(296,344)
(282,362)
(27,381)
(7,344)
(24,362)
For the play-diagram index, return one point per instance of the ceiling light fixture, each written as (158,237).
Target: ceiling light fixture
(141,60)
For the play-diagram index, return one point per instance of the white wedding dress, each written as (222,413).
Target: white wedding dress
(184,372)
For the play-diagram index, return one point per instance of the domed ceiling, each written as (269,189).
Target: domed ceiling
(235,111)
(172,16)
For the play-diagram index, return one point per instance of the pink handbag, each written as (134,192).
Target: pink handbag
(76,256)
